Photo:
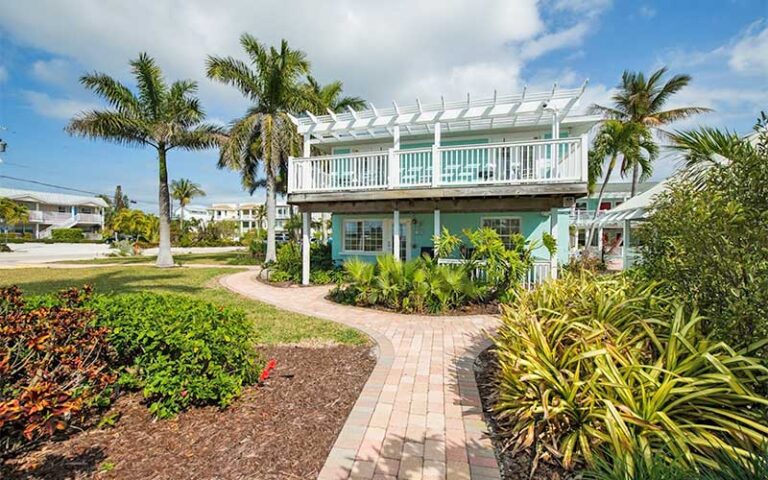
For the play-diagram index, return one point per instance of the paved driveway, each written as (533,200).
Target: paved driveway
(419,414)
(51,252)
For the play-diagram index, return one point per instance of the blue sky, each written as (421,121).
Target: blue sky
(381,50)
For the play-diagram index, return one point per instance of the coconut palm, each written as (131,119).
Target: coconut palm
(265,134)
(630,141)
(330,97)
(640,99)
(158,115)
(184,190)
(261,214)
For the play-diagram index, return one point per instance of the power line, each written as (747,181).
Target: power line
(61,187)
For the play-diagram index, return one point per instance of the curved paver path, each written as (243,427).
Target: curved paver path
(419,415)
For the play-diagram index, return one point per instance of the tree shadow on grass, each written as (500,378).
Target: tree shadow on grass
(56,466)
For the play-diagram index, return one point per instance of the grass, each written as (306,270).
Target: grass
(239,257)
(273,326)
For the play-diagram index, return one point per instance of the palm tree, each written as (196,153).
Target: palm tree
(272,83)
(640,99)
(158,115)
(12,214)
(184,190)
(260,213)
(329,97)
(616,138)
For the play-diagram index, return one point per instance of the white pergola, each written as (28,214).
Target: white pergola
(524,109)
(518,110)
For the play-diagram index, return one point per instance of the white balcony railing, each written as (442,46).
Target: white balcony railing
(540,272)
(35,216)
(56,217)
(536,161)
(88,218)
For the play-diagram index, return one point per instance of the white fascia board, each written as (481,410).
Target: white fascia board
(451,114)
(427,117)
(405,118)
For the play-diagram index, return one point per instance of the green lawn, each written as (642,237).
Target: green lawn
(240,257)
(273,326)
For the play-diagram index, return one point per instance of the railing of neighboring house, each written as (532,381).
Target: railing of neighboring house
(56,217)
(539,272)
(35,216)
(88,218)
(535,161)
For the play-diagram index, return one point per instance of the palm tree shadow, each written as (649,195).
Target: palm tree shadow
(57,466)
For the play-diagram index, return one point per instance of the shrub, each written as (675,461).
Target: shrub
(54,365)
(179,351)
(67,234)
(590,363)
(288,264)
(706,238)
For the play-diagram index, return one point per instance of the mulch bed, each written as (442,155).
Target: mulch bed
(513,466)
(283,430)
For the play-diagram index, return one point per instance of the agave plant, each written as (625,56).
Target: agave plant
(591,363)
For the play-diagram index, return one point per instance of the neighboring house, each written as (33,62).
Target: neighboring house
(49,211)
(194,212)
(583,213)
(244,214)
(394,177)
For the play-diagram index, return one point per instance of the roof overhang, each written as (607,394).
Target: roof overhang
(524,109)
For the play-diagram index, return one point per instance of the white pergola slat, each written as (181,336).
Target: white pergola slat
(523,109)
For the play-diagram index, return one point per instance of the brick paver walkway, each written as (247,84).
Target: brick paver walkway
(418,416)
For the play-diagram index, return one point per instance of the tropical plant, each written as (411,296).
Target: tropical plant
(12,213)
(641,100)
(54,366)
(330,98)
(184,190)
(590,364)
(615,139)
(134,223)
(260,213)
(119,201)
(705,235)
(265,134)
(157,115)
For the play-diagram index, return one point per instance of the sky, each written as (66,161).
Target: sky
(382,51)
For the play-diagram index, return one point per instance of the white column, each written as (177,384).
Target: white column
(393,173)
(555,146)
(553,217)
(599,243)
(37,230)
(396,234)
(625,246)
(436,157)
(437,228)
(305,248)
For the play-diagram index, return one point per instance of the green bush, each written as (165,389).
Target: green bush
(706,239)
(287,267)
(179,351)
(67,234)
(591,363)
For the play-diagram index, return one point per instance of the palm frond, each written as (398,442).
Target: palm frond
(150,83)
(115,93)
(236,73)
(111,126)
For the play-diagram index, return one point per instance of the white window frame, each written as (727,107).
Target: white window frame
(504,217)
(363,252)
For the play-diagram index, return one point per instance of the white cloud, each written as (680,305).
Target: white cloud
(56,71)
(646,11)
(749,54)
(62,108)
(379,49)
(3,74)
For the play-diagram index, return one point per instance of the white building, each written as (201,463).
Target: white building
(49,211)
(199,213)
(246,215)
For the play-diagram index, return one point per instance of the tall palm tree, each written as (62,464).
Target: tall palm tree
(265,134)
(158,115)
(184,190)
(632,141)
(261,214)
(330,97)
(640,99)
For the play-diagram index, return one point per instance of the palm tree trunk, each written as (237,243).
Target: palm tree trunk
(635,178)
(164,258)
(599,201)
(271,255)
(181,219)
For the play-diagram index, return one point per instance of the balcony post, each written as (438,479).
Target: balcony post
(393,166)
(584,158)
(555,138)
(553,227)
(306,167)
(305,225)
(625,245)
(436,157)
(396,234)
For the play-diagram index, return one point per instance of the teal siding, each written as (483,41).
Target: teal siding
(534,225)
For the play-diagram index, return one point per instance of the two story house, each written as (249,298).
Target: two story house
(246,217)
(393,177)
(49,211)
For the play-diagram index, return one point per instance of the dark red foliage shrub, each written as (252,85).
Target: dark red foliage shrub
(54,365)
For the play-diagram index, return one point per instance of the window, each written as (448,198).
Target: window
(364,236)
(504,226)
(63,209)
